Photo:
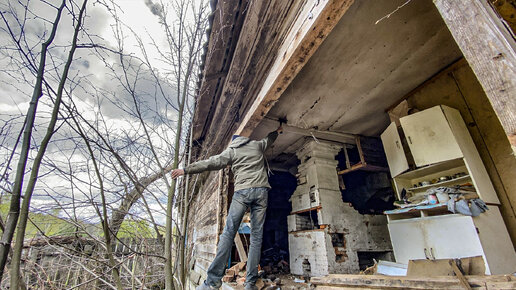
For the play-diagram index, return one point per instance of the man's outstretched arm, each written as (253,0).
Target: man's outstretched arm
(271,137)
(213,163)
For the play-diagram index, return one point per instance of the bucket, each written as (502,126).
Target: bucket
(432,199)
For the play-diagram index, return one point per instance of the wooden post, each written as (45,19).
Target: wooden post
(490,51)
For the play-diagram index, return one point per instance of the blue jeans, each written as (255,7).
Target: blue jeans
(256,199)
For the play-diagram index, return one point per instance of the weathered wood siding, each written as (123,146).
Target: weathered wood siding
(204,226)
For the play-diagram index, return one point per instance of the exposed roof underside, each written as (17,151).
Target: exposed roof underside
(244,40)
(362,69)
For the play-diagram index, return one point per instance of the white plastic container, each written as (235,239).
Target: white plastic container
(442,197)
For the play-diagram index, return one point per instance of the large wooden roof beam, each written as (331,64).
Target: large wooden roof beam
(490,50)
(315,21)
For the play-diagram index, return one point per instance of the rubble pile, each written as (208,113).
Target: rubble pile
(269,280)
(274,262)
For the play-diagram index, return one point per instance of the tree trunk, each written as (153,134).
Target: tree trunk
(169,275)
(14,209)
(20,235)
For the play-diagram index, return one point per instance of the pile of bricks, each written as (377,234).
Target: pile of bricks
(235,273)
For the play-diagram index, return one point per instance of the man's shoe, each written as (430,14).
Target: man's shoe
(205,286)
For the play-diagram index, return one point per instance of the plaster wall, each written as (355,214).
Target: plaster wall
(344,232)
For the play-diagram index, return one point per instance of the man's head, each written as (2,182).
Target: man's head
(234,137)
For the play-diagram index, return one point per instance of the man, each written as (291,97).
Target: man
(247,161)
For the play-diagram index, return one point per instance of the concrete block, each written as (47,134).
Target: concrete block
(298,222)
(322,176)
(325,150)
(308,253)
(305,200)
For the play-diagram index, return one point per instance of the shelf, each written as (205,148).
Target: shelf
(432,169)
(439,184)
(315,208)
(415,208)
(306,231)
(364,167)
(421,211)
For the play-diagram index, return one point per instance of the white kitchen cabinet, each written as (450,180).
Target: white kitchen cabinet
(430,137)
(394,150)
(454,236)
(440,145)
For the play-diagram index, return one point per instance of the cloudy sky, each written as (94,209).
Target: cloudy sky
(98,88)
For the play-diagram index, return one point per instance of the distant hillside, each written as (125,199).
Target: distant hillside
(52,225)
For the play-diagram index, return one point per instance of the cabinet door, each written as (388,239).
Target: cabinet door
(407,239)
(429,137)
(394,150)
(451,236)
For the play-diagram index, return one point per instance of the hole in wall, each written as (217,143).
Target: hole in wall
(337,240)
(366,259)
(275,251)
(370,192)
(307,268)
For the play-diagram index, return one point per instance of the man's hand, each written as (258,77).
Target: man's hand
(176,173)
(280,129)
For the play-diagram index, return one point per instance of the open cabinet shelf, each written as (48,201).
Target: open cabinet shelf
(440,145)
(451,182)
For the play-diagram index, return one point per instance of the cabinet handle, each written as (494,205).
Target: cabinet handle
(432,253)
(410,140)
(426,255)
(398,144)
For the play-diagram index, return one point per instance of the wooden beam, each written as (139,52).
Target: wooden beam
(458,273)
(315,208)
(364,167)
(240,248)
(344,138)
(490,50)
(403,282)
(315,21)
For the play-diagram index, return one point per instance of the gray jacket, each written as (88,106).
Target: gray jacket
(246,158)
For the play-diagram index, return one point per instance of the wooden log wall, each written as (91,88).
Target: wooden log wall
(205,224)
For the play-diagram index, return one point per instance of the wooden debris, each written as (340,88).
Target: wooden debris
(442,267)
(240,248)
(460,275)
(396,282)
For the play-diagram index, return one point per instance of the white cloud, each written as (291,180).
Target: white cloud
(96,90)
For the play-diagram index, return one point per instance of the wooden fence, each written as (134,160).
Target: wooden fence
(79,263)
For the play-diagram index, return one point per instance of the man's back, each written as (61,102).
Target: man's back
(247,161)
(248,164)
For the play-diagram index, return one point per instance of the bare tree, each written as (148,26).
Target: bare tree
(118,173)
(25,53)
(185,38)
(20,235)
